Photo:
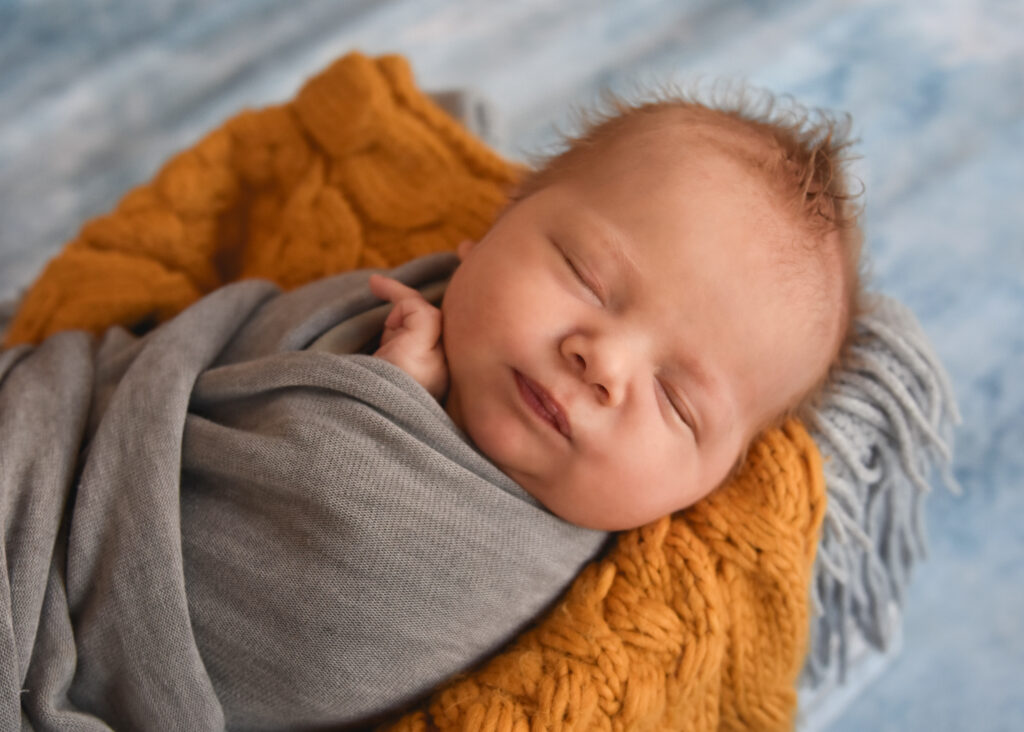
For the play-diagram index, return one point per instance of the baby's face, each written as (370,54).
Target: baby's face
(617,339)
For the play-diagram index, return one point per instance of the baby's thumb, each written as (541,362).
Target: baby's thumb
(422,321)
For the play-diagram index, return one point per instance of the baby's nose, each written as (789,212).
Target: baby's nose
(600,364)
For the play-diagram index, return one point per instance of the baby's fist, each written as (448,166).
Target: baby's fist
(412,335)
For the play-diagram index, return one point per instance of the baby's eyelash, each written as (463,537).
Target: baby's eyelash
(579,275)
(575,271)
(680,412)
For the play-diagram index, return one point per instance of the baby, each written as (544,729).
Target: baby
(244,520)
(677,280)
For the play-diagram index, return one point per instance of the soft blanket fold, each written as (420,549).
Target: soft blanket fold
(261,537)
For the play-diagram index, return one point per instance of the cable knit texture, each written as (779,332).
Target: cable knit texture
(698,621)
(360,170)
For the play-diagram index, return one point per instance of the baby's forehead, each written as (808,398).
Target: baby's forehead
(690,133)
(657,154)
(806,263)
(720,150)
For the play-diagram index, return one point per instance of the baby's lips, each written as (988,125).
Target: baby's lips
(551,405)
(557,413)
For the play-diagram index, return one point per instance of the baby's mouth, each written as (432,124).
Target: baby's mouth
(543,404)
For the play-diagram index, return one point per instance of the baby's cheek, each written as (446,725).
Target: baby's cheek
(633,445)
(495,433)
(613,472)
(668,473)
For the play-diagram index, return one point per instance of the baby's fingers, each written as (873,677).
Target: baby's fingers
(411,315)
(390,289)
(418,318)
(411,338)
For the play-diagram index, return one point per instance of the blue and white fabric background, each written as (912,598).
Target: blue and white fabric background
(94,94)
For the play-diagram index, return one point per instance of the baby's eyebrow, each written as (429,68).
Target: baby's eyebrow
(614,242)
(699,373)
(609,239)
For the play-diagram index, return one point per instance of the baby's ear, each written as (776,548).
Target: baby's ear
(463,249)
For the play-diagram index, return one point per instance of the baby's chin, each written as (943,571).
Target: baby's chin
(586,514)
(609,507)
(600,521)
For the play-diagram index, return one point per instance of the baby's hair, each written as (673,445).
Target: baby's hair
(802,154)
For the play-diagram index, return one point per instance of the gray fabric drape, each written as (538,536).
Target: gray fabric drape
(218,525)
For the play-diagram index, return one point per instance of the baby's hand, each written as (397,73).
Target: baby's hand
(412,335)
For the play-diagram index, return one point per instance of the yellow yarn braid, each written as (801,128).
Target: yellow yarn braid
(361,169)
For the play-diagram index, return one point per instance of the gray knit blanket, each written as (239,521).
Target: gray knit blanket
(886,435)
(226,523)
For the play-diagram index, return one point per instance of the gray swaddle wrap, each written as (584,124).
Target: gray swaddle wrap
(257,533)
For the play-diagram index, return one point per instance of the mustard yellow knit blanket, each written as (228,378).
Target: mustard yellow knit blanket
(698,621)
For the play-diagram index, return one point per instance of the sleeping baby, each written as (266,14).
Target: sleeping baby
(652,299)
(307,509)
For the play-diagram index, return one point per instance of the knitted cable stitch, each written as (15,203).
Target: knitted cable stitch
(361,169)
(698,621)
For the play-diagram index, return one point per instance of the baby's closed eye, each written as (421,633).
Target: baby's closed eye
(674,402)
(582,275)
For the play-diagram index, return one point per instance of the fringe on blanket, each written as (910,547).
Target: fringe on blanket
(883,433)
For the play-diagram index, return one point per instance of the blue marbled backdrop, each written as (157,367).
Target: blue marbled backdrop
(95,94)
